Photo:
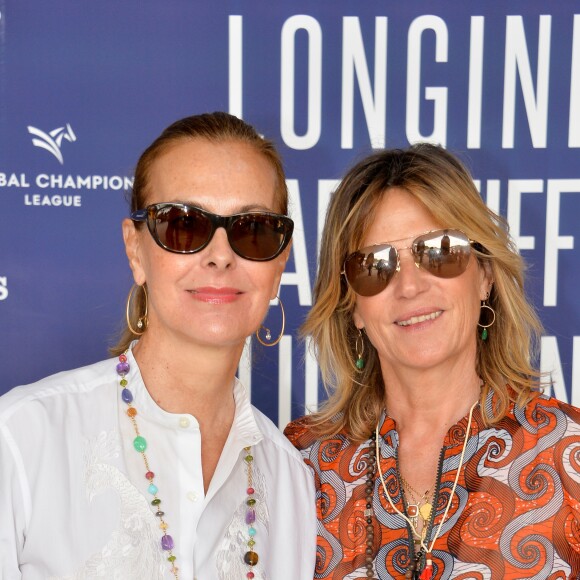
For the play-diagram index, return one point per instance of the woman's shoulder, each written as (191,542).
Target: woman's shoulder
(304,433)
(57,387)
(50,420)
(535,414)
(300,433)
(274,437)
(547,401)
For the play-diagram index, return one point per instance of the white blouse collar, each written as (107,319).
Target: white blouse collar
(245,430)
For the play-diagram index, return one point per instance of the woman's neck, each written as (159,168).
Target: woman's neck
(419,399)
(189,378)
(425,405)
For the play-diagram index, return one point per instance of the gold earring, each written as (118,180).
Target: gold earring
(142,321)
(268,334)
(360,349)
(484,304)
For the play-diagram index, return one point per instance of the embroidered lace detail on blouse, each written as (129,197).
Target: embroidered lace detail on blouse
(133,550)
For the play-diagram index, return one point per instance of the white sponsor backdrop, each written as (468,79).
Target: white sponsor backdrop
(85,87)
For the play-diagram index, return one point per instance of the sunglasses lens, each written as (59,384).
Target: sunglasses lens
(181,229)
(259,236)
(369,270)
(443,253)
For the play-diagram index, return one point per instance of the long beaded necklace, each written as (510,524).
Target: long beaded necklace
(140,445)
(368,513)
(374,459)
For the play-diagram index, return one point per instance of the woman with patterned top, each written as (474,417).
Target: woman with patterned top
(436,455)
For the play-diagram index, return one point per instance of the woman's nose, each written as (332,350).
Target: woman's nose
(410,279)
(218,253)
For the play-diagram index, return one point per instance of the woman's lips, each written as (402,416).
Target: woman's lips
(417,319)
(212,295)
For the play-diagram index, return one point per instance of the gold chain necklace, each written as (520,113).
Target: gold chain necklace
(418,506)
(427,573)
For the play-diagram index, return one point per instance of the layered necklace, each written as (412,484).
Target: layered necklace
(420,511)
(140,445)
(419,508)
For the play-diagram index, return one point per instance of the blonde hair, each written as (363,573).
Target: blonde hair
(214,127)
(441,183)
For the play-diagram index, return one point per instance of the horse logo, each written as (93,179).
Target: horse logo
(52,140)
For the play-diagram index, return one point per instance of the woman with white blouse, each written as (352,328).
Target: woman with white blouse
(155,464)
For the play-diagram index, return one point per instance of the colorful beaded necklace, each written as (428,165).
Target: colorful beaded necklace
(140,445)
(425,551)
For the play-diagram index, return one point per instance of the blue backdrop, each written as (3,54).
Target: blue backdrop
(86,86)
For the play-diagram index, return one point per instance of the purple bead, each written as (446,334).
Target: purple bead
(123,368)
(167,542)
(127,395)
(250,516)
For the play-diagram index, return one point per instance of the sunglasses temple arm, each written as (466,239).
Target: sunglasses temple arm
(139,216)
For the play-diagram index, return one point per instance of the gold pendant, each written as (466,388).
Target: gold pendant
(425,511)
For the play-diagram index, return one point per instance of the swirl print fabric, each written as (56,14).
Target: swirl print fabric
(515,512)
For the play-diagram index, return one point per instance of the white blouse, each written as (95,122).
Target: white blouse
(74,500)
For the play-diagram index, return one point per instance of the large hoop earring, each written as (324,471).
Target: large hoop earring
(359,346)
(142,321)
(268,334)
(488,308)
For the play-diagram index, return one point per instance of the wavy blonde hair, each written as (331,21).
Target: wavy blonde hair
(441,183)
(217,127)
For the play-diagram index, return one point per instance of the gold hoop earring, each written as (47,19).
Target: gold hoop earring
(359,346)
(143,321)
(484,304)
(268,334)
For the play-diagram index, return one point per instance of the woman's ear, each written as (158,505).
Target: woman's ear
(132,241)
(357,319)
(281,265)
(485,281)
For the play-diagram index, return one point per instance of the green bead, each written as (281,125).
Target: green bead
(248,458)
(140,444)
(484,334)
(156,501)
(360,363)
(172,558)
(251,543)
(251,501)
(123,382)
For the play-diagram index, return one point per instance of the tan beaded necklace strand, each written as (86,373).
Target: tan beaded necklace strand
(427,573)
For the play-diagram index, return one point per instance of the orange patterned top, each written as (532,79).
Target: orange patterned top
(515,512)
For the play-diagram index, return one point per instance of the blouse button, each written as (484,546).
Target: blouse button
(192,496)
(184,422)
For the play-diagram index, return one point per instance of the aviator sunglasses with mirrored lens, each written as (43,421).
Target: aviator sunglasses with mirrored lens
(186,229)
(443,253)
